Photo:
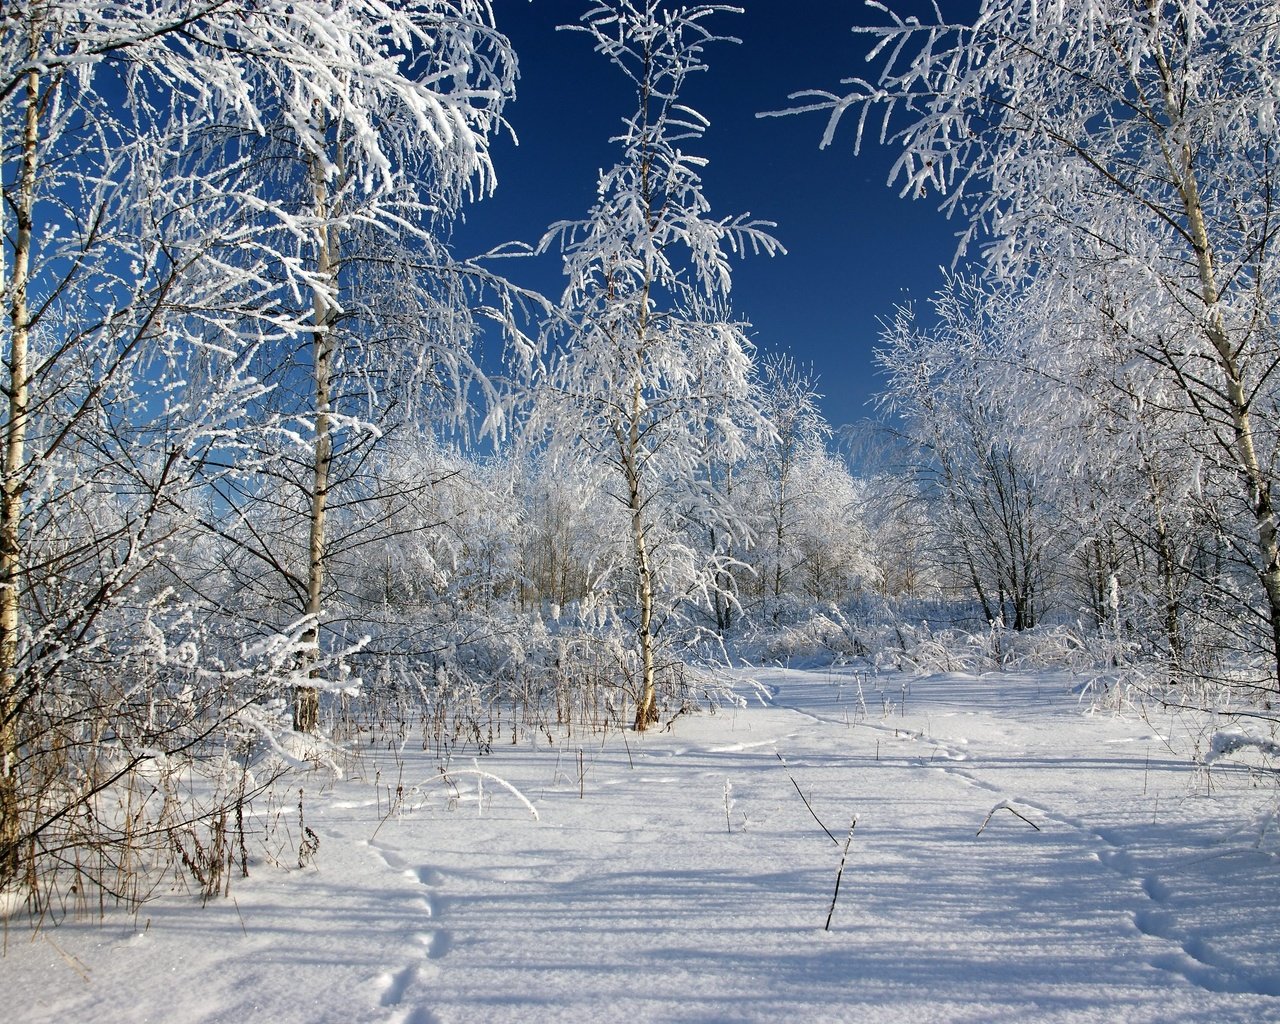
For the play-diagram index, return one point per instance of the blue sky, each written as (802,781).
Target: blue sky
(855,248)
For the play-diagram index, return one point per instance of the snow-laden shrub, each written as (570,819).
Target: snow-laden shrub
(820,636)
(140,759)
(1237,738)
(468,682)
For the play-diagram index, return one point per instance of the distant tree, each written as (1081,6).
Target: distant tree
(789,400)
(1116,449)
(993,522)
(831,535)
(561,536)
(650,361)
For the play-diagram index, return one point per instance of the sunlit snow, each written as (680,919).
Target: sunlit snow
(678,876)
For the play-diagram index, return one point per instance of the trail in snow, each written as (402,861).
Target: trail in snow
(1192,954)
(679,877)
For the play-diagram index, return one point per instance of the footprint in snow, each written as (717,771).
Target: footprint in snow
(438,944)
(415,1015)
(396,987)
(389,857)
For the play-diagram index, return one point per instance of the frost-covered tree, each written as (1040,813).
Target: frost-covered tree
(1126,142)
(562,541)
(994,524)
(368,172)
(134,301)
(789,399)
(1033,431)
(153,271)
(651,363)
(1116,447)
(830,534)
(435,540)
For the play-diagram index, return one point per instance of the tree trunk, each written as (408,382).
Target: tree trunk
(1166,568)
(647,701)
(778,533)
(11,489)
(306,703)
(1258,484)
(721,597)
(647,704)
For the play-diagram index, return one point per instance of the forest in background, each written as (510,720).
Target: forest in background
(262,494)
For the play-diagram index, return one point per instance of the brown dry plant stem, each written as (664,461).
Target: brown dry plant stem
(840,872)
(805,799)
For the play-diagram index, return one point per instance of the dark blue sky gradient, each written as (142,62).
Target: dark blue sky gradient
(854,248)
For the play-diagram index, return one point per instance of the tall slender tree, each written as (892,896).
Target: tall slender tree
(369,175)
(651,362)
(789,399)
(131,313)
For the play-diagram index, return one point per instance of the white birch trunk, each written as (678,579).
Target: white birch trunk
(306,705)
(647,701)
(12,484)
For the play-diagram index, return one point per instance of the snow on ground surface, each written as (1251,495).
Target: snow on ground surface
(1148,892)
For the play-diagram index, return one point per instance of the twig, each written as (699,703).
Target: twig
(840,873)
(392,806)
(805,798)
(684,710)
(1004,805)
(73,962)
(240,916)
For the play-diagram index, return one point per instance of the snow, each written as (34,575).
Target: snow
(1147,893)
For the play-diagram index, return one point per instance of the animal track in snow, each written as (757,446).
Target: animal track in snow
(397,987)
(1192,956)
(734,748)
(389,857)
(440,945)
(414,1015)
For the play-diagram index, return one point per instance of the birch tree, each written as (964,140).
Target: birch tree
(1037,433)
(1135,137)
(152,270)
(995,527)
(375,121)
(133,307)
(651,361)
(788,398)
(1122,455)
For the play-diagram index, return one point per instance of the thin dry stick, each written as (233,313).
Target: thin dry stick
(74,963)
(805,798)
(240,916)
(1004,805)
(840,873)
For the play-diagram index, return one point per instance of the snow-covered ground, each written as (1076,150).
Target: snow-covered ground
(679,876)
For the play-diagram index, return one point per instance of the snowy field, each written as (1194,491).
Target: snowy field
(679,876)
